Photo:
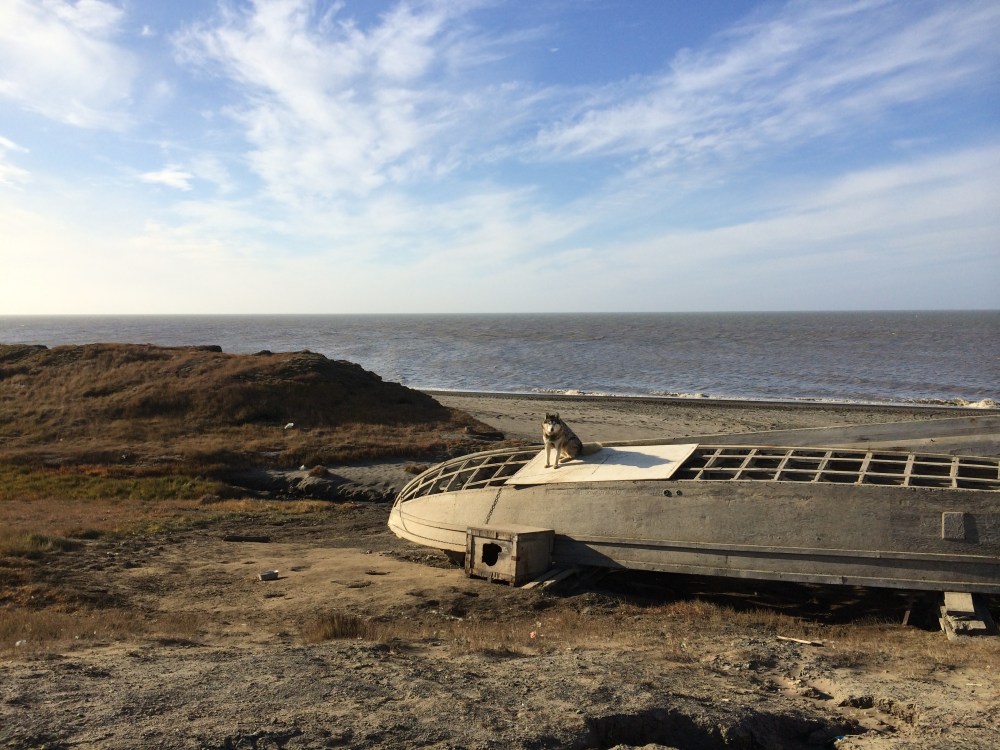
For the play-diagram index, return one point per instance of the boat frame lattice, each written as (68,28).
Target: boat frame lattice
(744,463)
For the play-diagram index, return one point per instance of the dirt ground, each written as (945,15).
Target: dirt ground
(225,660)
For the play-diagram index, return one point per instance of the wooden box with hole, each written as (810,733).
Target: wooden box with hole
(512,554)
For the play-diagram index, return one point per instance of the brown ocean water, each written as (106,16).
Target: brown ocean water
(871,357)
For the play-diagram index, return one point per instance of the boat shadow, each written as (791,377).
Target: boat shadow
(816,603)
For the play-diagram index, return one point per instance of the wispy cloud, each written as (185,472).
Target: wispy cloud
(808,71)
(333,109)
(902,234)
(9,173)
(330,109)
(86,15)
(170,176)
(60,59)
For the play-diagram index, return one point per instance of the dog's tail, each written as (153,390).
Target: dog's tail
(590,448)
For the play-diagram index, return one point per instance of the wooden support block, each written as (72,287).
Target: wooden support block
(965,614)
(960,603)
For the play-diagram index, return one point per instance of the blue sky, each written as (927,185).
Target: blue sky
(297,156)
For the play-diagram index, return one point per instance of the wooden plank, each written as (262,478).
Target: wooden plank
(550,578)
(906,615)
(751,454)
(822,466)
(560,576)
(542,578)
(865,463)
(804,553)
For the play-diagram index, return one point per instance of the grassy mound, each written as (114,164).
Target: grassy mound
(153,407)
(137,439)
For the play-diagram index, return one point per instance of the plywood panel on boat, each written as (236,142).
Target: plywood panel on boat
(620,464)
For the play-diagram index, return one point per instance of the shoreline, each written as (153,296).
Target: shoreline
(624,418)
(710,401)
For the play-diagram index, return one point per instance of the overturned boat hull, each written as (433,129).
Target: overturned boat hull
(840,516)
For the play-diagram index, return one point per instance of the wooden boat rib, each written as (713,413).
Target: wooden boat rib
(824,515)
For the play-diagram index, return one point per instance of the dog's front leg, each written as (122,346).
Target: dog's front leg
(548,461)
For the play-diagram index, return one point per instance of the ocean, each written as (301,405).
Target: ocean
(946,358)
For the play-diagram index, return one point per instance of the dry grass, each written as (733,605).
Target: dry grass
(192,410)
(39,631)
(109,439)
(681,633)
(908,651)
(30,528)
(628,628)
(332,626)
(89,482)
(32,544)
(89,501)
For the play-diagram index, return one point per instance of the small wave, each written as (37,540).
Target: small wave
(983,403)
(986,403)
(575,392)
(632,394)
(675,394)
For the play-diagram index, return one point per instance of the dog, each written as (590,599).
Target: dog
(557,435)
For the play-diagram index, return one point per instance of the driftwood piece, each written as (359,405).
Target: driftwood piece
(799,640)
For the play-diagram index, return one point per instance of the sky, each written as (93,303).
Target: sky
(460,156)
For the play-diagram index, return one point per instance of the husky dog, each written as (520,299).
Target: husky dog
(557,434)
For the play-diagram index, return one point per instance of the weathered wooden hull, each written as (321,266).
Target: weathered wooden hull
(934,528)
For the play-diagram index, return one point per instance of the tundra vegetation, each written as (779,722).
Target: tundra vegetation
(118,439)
(117,442)
(131,607)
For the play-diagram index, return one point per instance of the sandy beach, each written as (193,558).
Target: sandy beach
(439,660)
(612,418)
